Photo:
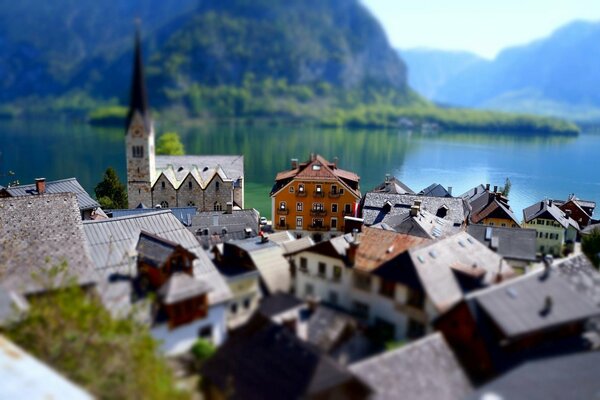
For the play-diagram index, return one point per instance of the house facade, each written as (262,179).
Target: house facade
(554,227)
(313,197)
(205,182)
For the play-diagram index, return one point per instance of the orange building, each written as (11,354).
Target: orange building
(313,198)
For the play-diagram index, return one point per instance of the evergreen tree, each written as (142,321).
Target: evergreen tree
(110,192)
(170,144)
(590,245)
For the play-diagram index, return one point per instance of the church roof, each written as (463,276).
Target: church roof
(203,168)
(138,101)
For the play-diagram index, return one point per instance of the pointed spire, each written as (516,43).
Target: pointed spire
(139,97)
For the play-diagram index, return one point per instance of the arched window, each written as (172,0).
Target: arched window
(164,204)
(191,204)
(190,185)
(162,184)
(217,185)
(217,206)
(282,205)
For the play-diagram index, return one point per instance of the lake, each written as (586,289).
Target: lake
(538,166)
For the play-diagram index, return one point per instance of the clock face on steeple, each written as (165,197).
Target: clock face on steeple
(137,131)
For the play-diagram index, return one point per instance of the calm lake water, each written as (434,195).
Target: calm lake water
(538,166)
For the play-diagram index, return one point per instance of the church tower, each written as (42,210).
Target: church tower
(139,137)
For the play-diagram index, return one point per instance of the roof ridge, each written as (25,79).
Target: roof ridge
(139,215)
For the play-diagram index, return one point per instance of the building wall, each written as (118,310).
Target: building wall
(162,194)
(243,288)
(576,213)
(238,193)
(550,235)
(193,197)
(181,339)
(140,170)
(286,218)
(394,310)
(502,222)
(218,192)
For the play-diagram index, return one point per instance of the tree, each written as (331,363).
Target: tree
(110,192)
(506,188)
(170,144)
(590,245)
(70,330)
(202,350)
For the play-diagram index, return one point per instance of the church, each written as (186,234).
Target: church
(205,182)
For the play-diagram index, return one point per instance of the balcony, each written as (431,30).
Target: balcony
(318,227)
(283,211)
(318,213)
(334,195)
(300,193)
(282,227)
(347,213)
(318,193)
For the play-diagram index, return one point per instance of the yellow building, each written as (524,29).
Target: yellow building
(491,208)
(313,198)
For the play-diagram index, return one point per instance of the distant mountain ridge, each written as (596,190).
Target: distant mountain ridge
(558,75)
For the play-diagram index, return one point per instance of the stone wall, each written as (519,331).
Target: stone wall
(160,194)
(193,197)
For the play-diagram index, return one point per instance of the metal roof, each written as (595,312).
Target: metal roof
(548,210)
(25,377)
(435,190)
(512,243)
(182,286)
(183,214)
(112,243)
(70,185)
(38,233)
(424,369)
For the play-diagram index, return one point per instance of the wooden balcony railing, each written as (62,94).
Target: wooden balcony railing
(283,211)
(318,213)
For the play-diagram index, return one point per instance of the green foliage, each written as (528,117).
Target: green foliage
(108,116)
(170,144)
(202,350)
(112,358)
(110,192)
(507,187)
(394,345)
(590,245)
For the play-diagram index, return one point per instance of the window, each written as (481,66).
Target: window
(205,333)
(548,222)
(191,204)
(303,264)
(164,204)
(362,281)
(341,191)
(308,289)
(333,298)
(334,189)
(299,206)
(333,223)
(319,189)
(282,205)
(247,303)
(503,225)
(361,310)
(190,185)
(347,208)
(322,270)
(137,151)
(415,298)
(546,235)
(299,223)
(162,185)
(233,308)
(317,222)
(318,207)
(387,289)
(282,222)
(217,206)
(217,185)
(291,189)
(334,208)
(301,188)
(337,273)
(491,224)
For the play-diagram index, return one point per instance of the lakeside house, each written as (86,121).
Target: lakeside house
(207,182)
(313,197)
(581,210)
(491,208)
(517,246)
(555,227)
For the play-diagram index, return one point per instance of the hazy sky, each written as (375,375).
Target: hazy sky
(480,26)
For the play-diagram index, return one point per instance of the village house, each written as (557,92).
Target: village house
(265,360)
(152,256)
(542,313)
(213,227)
(395,282)
(491,208)
(436,190)
(88,207)
(206,182)
(313,197)
(555,227)
(516,245)
(393,185)
(581,210)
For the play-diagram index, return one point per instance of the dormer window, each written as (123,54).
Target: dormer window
(316,167)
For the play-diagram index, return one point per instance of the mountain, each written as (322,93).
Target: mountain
(430,69)
(558,75)
(64,45)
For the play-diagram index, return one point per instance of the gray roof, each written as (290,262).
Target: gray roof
(588,230)
(473,192)
(510,243)
(543,209)
(154,250)
(70,185)
(295,246)
(581,274)
(278,303)
(534,302)
(24,377)
(182,286)
(38,233)
(437,263)
(424,224)
(203,168)
(435,190)
(573,376)
(326,328)
(112,242)
(373,210)
(223,227)
(392,185)
(183,214)
(426,369)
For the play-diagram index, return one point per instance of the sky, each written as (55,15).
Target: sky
(483,27)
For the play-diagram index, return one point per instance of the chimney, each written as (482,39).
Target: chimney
(229,208)
(351,252)
(496,189)
(40,185)
(487,187)
(476,190)
(294,163)
(547,306)
(450,190)
(313,157)
(550,203)
(335,162)
(387,177)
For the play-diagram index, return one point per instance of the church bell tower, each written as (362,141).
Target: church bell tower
(139,137)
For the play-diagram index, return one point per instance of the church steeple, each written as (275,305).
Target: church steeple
(139,96)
